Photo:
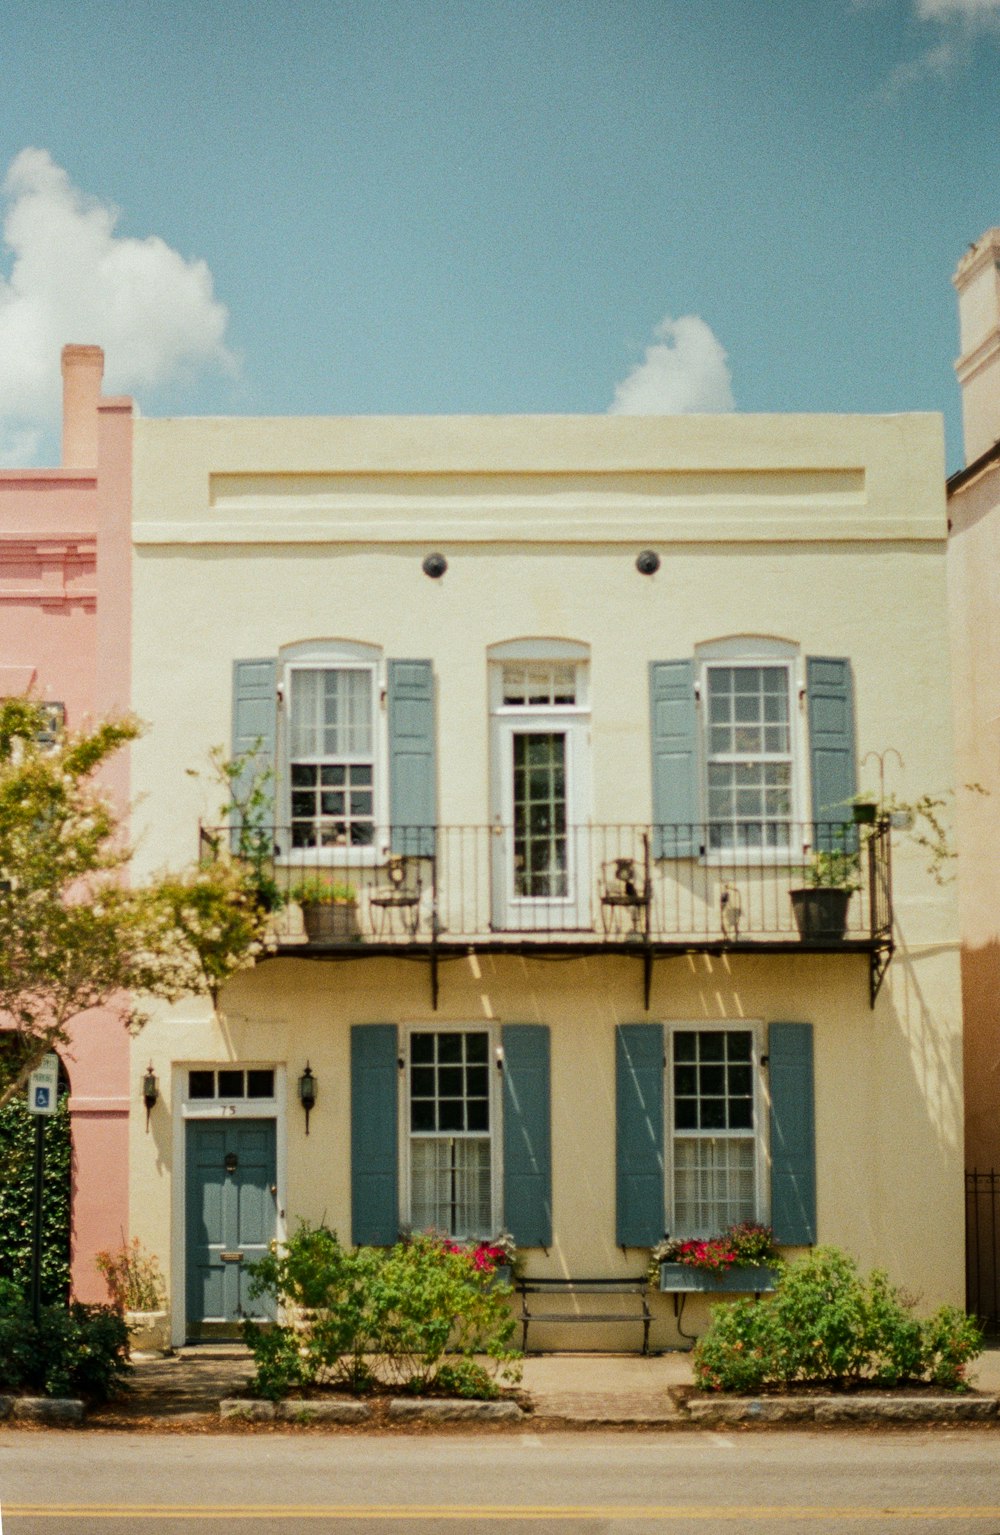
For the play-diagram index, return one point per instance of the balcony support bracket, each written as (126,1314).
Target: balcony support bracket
(878,963)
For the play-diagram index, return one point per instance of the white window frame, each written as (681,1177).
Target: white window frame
(334,655)
(761,1115)
(494,1062)
(185,1108)
(751,651)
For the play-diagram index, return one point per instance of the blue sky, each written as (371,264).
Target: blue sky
(354,206)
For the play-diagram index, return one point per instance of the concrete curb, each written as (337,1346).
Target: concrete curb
(839,1409)
(47,1409)
(450,1410)
(405,1409)
(322,1412)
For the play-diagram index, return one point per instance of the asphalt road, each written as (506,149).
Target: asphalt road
(177,1484)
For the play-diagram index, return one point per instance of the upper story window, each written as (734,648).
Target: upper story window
(334,764)
(748,690)
(331,757)
(749,755)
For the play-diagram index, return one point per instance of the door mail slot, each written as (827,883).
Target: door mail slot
(231,1257)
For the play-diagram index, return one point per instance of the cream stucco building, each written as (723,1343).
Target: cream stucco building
(973,561)
(571,770)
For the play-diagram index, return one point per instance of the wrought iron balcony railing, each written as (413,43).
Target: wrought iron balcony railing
(695,886)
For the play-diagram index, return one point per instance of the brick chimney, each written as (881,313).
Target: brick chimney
(82,372)
(977,280)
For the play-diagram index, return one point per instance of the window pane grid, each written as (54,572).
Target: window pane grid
(749,757)
(450,1185)
(714,1183)
(541,867)
(331,757)
(714,1146)
(450,1145)
(449,1083)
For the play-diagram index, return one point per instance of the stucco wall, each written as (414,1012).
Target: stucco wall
(826,532)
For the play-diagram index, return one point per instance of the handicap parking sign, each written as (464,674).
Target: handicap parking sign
(43,1086)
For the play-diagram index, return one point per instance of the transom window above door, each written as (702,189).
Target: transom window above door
(541,685)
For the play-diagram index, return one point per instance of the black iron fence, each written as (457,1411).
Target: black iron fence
(691,883)
(982,1249)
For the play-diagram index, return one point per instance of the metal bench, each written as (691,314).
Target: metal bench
(570,1289)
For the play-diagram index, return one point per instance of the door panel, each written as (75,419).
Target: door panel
(230,1219)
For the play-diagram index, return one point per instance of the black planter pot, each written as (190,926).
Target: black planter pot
(820,911)
(864,813)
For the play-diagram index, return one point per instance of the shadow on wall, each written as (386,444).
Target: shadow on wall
(981,1009)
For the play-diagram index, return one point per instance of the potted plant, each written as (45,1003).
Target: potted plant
(820,907)
(741,1261)
(329,909)
(864,810)
(136,1290)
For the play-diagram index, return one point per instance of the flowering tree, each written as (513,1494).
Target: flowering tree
(74,935)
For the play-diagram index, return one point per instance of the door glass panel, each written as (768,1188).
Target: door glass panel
(540,848)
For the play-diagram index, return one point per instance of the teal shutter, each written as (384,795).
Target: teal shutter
(374,1133)
(412,766)
(527,1137)
(832,754)
(674,736)
(254,725)
(639,1201)
(793,1133)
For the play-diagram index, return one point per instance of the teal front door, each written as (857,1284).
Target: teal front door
(230,1219)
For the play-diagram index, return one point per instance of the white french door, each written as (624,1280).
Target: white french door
(540,844)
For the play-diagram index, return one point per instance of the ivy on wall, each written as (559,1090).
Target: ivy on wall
(17,1164)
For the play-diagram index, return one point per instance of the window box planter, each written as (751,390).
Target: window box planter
(820,911)
(747,1280)
(329,922)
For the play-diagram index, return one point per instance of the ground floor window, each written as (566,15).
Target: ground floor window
(713,1129)
(451,1131)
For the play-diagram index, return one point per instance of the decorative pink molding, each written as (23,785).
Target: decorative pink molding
(48,570)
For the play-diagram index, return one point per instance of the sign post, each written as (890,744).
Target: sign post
(43,1088)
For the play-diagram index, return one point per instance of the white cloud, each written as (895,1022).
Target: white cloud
(960,24)
(684,370)
(958,10)
(73,279)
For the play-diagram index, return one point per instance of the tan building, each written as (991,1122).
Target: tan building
(973,562)
(571,705)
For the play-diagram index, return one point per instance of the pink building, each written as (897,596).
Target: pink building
(64,636)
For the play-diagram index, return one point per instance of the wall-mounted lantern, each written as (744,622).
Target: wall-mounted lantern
(307,1092)
(150,1092)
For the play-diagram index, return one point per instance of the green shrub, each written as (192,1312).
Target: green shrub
(17,1162)
(827,1325)
(412,1316)
(75,1351)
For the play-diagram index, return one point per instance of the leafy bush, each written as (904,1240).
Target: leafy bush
(133,1277)
(411,1316)
(17,1163)
(826,1325)
(79,1351)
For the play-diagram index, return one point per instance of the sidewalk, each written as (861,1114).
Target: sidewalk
(572,1388)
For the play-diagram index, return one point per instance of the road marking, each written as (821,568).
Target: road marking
(504,1511)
